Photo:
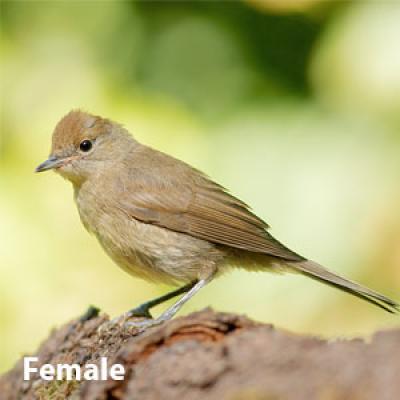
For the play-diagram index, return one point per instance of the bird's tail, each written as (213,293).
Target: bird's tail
(316,271)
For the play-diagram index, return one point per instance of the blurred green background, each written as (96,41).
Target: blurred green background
(293,105)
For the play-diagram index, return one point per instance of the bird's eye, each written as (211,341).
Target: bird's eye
(85,145)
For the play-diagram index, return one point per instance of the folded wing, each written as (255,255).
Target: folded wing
(179,198)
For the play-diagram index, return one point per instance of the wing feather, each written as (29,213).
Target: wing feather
(177,197)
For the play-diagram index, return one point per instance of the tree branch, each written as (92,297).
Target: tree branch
(208,355)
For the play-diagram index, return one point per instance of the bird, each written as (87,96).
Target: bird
(162,220)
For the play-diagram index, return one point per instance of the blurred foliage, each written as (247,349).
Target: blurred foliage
(293,105)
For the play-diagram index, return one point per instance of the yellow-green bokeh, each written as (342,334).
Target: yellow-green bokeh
(296,111)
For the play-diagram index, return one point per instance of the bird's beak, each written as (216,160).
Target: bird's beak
(50,163)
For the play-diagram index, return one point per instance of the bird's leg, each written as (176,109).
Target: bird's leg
(144,309)
(171,311)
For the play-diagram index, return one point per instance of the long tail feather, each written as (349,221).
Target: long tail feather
(316,271)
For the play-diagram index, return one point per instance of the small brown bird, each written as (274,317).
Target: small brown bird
(162,220)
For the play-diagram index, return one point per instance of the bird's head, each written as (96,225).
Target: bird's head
(84,144)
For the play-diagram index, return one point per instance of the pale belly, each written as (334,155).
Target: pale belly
(151,252)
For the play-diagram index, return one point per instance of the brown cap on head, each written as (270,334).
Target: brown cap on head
(76,126)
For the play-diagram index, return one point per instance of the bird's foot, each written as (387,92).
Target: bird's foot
(122,320)
(140,326)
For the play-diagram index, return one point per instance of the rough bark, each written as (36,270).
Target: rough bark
(210,355)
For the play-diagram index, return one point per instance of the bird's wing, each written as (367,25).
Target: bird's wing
(182,199)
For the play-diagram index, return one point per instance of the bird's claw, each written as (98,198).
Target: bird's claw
(122,322)
(143,325)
